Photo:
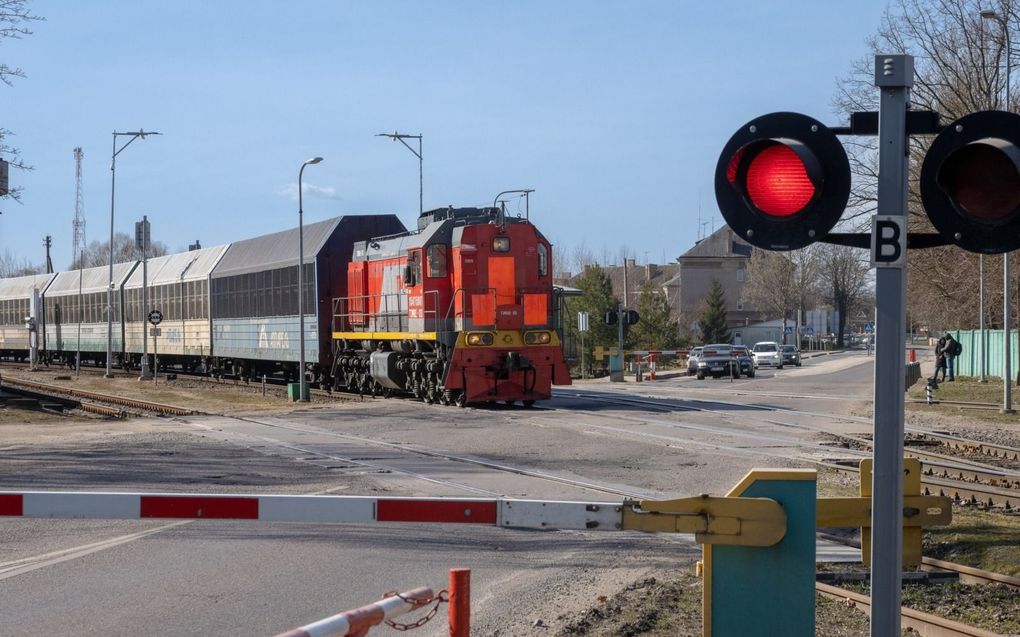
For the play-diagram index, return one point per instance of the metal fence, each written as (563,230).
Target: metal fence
(968,363)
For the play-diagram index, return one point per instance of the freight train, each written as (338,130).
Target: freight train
(461,310)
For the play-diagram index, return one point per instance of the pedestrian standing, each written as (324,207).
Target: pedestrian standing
(953,349)
(940,359)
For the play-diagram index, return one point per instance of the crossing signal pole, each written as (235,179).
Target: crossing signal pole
(783,182)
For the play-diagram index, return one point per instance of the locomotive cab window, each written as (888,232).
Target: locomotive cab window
(501,244)
(543,260)
(437,261)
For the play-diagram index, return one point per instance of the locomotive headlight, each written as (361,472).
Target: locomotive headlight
(479,338)
(501,244)
(537,338)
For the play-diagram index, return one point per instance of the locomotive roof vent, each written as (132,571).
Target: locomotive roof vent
(477,215)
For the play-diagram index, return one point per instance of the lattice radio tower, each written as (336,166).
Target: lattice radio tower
(79,207)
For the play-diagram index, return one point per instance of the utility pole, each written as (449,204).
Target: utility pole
(48,243)
(79,246)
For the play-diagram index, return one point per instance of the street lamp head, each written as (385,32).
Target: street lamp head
(989,14)
(313,160)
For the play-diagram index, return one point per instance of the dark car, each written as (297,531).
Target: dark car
(791,356)
(745,359)
(719,360)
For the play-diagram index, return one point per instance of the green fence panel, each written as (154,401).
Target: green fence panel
(968,363)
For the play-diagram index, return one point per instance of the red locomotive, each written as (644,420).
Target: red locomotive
(460,311)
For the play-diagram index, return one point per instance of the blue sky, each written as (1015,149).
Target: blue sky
(614,112)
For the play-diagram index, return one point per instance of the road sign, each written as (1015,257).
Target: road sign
(809,331)
(888,241)
(582,322)
(869,328)
(155,331)
(789,329)
(155,317)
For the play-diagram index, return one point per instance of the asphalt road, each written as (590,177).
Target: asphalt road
(593,441)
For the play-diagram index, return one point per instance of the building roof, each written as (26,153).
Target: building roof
(193,265)
(92,279)
(21,287)
(720,244)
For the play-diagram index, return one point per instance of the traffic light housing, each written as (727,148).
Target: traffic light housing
(970,182)
(610,317)
(782,181)
(631,317)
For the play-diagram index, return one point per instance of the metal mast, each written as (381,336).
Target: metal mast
(78,244)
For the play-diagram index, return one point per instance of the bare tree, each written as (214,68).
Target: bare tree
(98,253)
(14,18)
(844,271)
(12,266)
(783,283)
(770,284)
(960,67)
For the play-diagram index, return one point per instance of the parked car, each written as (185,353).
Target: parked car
(767,353)
(790,355)
(743,356)
(716,361)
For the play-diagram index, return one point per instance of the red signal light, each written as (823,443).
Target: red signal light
(782,181)
(778,183)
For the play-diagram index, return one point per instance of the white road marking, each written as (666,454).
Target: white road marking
(25,565)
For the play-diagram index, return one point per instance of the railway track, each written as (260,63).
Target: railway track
(925,624)
(98,399)
(964,480)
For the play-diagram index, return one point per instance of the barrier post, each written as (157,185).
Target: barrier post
(652,359)
(460,602)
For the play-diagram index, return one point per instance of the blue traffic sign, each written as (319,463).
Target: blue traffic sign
(789,329)
(869,328)
(809,331)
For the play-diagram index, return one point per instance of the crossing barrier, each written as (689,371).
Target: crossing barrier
(758,553)
(357,622)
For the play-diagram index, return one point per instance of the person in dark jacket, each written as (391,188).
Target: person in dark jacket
(953,349)
(940,359)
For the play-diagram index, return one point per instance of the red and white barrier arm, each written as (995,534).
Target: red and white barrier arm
(355,623)
(313,508)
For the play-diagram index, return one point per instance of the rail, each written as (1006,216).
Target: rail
(142,405)
(923,623)
(390,312)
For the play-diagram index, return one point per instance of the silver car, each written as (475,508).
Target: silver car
(767,353)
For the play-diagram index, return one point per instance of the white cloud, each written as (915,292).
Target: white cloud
(310,190)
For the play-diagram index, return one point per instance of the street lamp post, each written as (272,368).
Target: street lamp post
(303,389)
(1007,402)
(395,136)
(113,189)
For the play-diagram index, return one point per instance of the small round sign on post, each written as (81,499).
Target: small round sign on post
(155,317)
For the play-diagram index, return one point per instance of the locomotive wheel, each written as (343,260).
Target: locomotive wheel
(460,400)
(529,403)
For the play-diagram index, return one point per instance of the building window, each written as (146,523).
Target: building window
(740,306)
(741,275)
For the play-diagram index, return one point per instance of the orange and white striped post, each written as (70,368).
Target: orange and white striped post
(355,623)
(460,602)
(652,359)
